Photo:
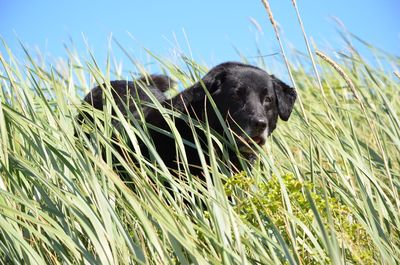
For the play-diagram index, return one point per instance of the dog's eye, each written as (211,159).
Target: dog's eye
(264,96)
(267,99)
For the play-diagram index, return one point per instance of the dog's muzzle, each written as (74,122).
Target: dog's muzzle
(247,144)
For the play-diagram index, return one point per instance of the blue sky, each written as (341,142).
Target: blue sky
(213,28)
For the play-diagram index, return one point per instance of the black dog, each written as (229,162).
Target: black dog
(248,99)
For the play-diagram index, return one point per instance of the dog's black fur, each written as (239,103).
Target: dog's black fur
(129,94)
(248,99)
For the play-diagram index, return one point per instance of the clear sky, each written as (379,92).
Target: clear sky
(213,28)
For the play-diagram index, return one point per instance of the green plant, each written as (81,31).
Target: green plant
(262,204)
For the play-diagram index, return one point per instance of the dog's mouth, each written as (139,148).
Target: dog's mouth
(248,145)
(259,140)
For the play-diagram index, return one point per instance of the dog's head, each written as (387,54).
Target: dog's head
(251,101)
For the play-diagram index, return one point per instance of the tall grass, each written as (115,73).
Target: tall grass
(324,191)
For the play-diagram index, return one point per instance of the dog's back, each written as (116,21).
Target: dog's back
(128,94)
(156,84)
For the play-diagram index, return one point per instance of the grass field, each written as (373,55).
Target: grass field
(324,191)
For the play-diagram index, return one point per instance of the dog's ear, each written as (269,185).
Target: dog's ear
(286,96)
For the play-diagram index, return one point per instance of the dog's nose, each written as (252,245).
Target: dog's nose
(260,124)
